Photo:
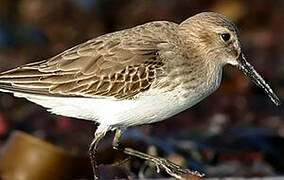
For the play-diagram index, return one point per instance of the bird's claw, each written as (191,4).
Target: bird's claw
(174,169)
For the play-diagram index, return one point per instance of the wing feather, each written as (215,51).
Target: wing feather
(113,65)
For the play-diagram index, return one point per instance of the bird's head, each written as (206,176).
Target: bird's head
(215,38)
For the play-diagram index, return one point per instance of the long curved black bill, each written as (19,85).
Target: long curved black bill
(257,79)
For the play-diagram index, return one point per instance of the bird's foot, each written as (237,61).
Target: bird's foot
(173,169)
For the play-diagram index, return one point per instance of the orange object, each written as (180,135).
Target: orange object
(29,158)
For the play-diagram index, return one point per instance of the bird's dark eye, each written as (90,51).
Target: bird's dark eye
(226,37)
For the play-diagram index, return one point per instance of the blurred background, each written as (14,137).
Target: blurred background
(237,131)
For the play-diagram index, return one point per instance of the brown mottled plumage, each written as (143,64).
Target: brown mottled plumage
(119,64)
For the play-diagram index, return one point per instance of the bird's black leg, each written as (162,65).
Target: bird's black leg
(93,149)
(171,168)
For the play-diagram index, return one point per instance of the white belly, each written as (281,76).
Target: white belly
(153,106)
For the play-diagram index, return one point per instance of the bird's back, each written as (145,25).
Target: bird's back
(103,63)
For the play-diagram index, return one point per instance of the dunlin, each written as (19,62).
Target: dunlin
(136,76)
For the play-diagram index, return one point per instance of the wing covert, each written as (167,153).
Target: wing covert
(110,67)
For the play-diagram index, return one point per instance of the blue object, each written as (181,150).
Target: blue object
(5,39)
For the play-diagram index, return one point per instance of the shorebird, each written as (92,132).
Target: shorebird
(136,76)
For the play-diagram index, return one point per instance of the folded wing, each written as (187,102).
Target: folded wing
(113,65)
